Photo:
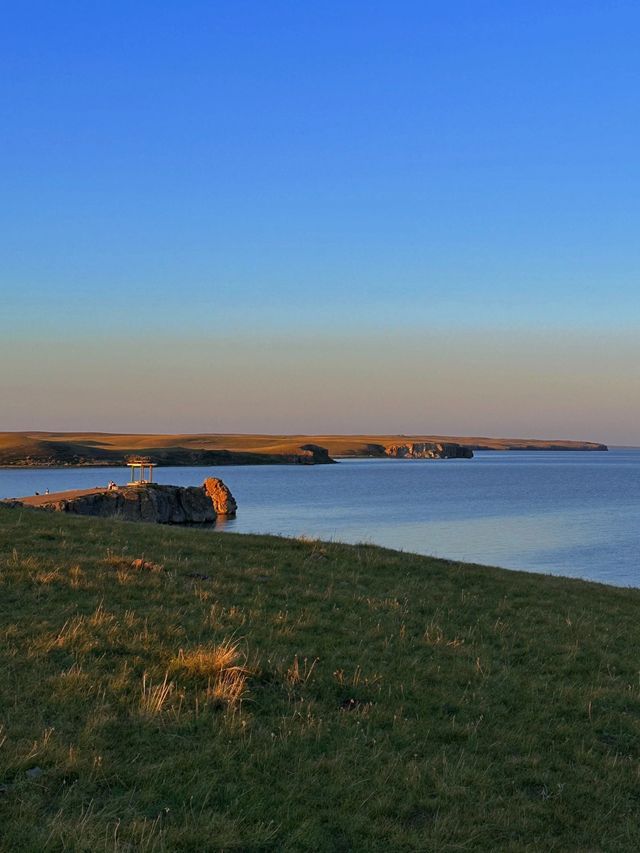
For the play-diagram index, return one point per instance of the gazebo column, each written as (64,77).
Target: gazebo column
(141,473)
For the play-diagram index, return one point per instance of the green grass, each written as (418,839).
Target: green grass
(186,691)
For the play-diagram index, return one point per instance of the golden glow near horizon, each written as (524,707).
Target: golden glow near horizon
(502,383)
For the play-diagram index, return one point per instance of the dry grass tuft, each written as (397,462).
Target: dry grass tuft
(74,671)
(139,564)
(67,635)
(154,697)
(100,617)
(47,578)
(124,577)
(223,666)
(75,576)
(357,678)
(142,565)
(207,661)
(297,674)
(229,686)
(435,636)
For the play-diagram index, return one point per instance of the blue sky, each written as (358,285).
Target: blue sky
(240,170)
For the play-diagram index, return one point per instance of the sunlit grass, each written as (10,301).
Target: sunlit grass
(165,689)
(154,696)
(207,661)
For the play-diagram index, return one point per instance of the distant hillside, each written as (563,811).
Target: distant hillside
(79,449)
(373,445)
(93,448)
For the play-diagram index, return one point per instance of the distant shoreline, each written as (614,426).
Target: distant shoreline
(93,449)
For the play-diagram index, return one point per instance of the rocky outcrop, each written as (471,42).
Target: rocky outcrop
(309,454)
(428,450)
(223,501)
(150,502)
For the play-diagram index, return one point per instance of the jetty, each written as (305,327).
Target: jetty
(140,500)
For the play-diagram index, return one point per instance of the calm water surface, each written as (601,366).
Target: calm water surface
(575,514)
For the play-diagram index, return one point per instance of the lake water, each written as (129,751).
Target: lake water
(571,513)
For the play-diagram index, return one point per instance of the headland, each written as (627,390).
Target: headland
(152,502)
(55,449)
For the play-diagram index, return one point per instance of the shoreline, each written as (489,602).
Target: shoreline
(265,461)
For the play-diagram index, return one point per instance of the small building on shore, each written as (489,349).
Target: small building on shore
(141,472)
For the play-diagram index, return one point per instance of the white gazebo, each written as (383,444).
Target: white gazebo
(141,473)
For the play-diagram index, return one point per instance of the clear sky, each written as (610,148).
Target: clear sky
(289,216)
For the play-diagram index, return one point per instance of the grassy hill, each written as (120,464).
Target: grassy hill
(50,449)
(164,689)
(63,448)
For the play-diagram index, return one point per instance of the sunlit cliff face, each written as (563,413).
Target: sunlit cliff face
(535,384)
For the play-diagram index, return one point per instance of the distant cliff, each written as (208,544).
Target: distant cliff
(428,450)
(354,446)
(151,502)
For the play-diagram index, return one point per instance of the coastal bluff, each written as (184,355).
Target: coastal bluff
(66,449)
(151,503)
(54,450)
(428,450)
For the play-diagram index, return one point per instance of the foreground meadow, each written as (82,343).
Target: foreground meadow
(166,689)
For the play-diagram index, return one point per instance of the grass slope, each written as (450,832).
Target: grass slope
(177,690)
